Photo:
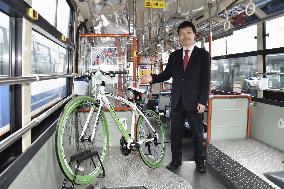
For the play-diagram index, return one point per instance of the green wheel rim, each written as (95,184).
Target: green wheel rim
(63,162)
(161,132)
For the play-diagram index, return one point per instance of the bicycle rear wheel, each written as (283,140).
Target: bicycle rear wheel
(68,141)
(152,152)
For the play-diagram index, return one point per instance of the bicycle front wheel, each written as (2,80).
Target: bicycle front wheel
(151,139)
(79,112)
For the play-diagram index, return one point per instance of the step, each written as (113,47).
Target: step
(243,162)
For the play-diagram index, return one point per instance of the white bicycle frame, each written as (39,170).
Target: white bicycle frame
(104,101)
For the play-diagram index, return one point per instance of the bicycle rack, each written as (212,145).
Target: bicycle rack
(79,158)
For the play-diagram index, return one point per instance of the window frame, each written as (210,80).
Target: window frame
(267,94)
(16,10)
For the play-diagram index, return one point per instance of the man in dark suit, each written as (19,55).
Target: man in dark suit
(190,69)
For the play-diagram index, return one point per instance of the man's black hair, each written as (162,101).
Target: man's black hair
(186,24)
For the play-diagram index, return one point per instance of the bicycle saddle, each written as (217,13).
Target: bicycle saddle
(142,91)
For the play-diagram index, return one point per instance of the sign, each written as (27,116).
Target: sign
(281,123)
(144,70)
(104,57)
(157,4)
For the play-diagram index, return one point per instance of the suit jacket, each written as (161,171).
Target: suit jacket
(192,85)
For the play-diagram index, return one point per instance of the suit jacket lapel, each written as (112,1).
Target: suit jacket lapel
(180,59)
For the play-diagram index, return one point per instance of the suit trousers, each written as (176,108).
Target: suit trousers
(178,116)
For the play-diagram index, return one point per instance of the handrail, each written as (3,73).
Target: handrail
(28,79)
(106,35)
(15,136)
(269,73)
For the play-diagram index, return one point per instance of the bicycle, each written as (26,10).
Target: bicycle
(83,131)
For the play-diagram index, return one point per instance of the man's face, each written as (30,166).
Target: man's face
(186,36)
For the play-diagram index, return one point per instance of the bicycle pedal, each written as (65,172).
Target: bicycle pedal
(150,156)
(80,168)
(134,149)
(90,187)
(101,175)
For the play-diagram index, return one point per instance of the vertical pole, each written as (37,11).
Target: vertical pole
(249,117)
(161,70)
(134,18)
(208,137)
(210,28)
(134,57)
(209,100)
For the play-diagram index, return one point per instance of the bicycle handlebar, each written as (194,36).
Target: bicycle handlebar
(112,73)
(120,72)
(109,73)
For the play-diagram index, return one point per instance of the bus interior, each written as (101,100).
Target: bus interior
(51,50)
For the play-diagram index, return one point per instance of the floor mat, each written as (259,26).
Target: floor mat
(130,170)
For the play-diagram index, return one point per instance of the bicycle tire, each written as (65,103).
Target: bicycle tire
(152,153)
(68,143)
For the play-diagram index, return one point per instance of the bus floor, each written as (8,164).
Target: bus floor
(129,171)
(209,180)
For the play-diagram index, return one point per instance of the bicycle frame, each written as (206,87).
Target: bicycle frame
(104,101)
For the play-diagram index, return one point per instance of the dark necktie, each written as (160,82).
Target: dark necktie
(185,59)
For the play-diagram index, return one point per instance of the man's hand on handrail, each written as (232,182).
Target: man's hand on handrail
(145,79)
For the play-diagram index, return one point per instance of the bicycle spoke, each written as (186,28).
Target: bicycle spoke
(69,143)
(151,147)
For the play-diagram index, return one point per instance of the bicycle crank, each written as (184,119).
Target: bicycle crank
(123,147)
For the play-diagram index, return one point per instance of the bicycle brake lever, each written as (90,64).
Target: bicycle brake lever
(111,75)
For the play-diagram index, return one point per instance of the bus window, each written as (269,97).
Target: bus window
(47,58)
(246,34)
(225,73)
(4,44)
(275,30)
(274,65)
(4,71)
(48,13)
(4,110)
(63,16)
